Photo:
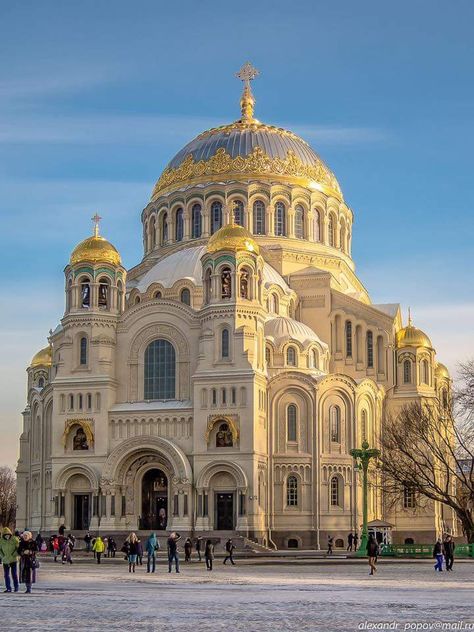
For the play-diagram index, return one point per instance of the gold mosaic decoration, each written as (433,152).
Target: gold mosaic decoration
(256,163)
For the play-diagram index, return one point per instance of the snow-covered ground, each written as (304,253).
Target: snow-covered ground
(255,595)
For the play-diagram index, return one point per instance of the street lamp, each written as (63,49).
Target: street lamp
(362,457)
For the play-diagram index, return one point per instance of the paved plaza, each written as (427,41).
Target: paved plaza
(262,595)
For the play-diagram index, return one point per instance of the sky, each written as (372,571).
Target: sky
(97,96)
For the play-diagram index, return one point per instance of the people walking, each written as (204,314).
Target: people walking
(111,547)
(39,541)
(139,552)
(198,547)
(173,551)
(188,547)
(449,547)
(9,556)
(132,552)
(229,547)
(372,553)
(438,554)
(99,548)
(87,541)
(209,554)
(67,552)
(55,547)
(350,541)
(330,545)
(27,550)
(152,546)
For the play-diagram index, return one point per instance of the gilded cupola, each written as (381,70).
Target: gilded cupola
(232,237)
(411,336)
(441,371)
(95,249)
(42,358)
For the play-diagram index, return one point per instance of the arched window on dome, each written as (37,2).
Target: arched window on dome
(160,370)
(342,237)
(120,295)
(216,216)
(69,295)
(425,372)
(83,351)
(299,222)
(104,293)
(291,434)
(370,349)
(179,225)
(158,294)
(280,219)
(291,356)
(196,217)
(348,339)
(313,359)
(41,382)
(331,230)
(268,355)
(164,228)
(238,212)
(185,296)
(259,217)
(85,292)
(225,346)
(273,303)
(226,283)
(244,281)
(317,225)
(152,232)
(407,372)
(207,286)
(335,423)
(292,491)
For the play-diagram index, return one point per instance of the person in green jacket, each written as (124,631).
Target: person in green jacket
(98,548)
(9,556)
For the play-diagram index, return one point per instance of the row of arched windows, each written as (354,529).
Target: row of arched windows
(353,344)
(224,397)
(291,357)
(425,373)
(103,298)
(79,402)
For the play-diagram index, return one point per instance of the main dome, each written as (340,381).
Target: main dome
(244,150)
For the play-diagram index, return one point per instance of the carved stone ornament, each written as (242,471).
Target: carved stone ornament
(85,424)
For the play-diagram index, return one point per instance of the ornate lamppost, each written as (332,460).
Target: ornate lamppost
(362,457)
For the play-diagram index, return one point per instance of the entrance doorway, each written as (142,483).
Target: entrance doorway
(224,511)
(81,511)
(154,500)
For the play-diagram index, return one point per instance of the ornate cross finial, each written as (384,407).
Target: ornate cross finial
(247,74)
(96,219)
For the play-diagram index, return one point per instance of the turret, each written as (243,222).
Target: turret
(415,358)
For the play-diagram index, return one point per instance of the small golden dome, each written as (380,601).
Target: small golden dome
(96,249)
(42,358)
(232,237)
(441,371)
(411,336)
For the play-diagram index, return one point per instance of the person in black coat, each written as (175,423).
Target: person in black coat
(173,551)
(229,547)
(198,547)
(27,550)
(449,547)
(209,554)
(372,553)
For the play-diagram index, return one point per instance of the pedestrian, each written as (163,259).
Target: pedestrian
(27,550)
(372,552)
(173,551)
(350,541)
(356,541)
(139,552)
(55,547)
(99,548)
(111,547)
(152,546)
(72,541)
(39,541)
(92,546)
(229,547)
(449,547)
(330,545)
(438,554)
(198,547)
(88,540)
(132,552)
(9,556)
(209,554)
(67,552)
(188,547)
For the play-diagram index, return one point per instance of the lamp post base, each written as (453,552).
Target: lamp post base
(362,550)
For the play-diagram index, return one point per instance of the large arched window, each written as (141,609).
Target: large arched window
(226,283)
(292,491)
(370,349)
(225,351)
(259,217)
(196,220)
(83,351)
(280,219)
(299,222)
(335,499)
(291,423)
(406,372)
(425,372)
(85,292)
(216,216)
(348,339)
(238,209)
(291,356)
(104,293)
(186,296)
(160,370)
(331,230)
(363,426)
(335,423)
(164,228)
(317,226)
(179,226)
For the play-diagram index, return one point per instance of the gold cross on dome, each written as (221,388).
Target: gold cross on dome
(96,219)
(247,73)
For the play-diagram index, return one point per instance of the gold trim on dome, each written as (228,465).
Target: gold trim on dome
(97,250)
(255,126)
(256,163)
(232,237)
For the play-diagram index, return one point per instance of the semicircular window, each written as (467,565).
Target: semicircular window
(160,370)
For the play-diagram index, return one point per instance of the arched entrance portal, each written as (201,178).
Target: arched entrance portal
(154,500)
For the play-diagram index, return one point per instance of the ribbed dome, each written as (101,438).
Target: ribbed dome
(441,371)
(42,358)
(95,249)
(232,237)
(411,336)
(281,329)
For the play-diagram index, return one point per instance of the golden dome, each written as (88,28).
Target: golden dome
(96,249)
(232,237)
(411,336)
(42,358)
(441,371)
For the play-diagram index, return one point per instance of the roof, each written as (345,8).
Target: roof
(282,329)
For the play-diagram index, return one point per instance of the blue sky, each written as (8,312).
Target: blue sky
(96,97)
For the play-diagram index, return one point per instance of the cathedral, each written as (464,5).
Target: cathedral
(218,386)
